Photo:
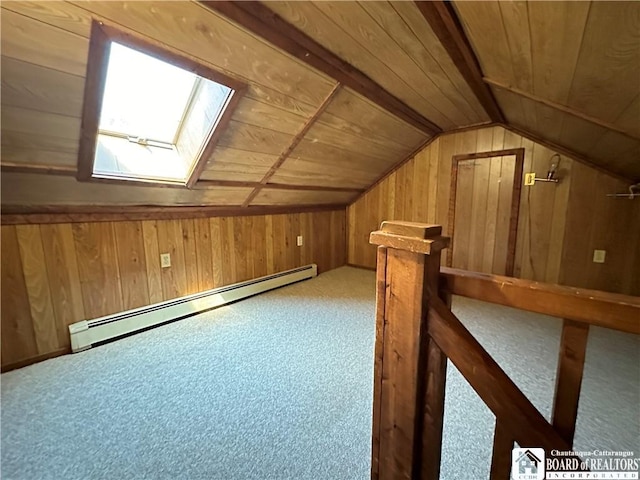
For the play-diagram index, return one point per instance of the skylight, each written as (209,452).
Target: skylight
(158,115)
(143,96)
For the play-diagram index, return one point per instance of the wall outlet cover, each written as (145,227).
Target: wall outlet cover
(165,260)
(299,241)
(599,256)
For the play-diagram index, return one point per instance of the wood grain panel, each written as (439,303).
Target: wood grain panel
(253,112)
(298,171)
(334,156)
(227,242)
(373,147)
(475,17)
(218,258)
(480,199)
(503,212)
(515,18)
(30,86)
(555,27)
(605,80)
(132,264)
(350,112)
(204,254)
(488,243)
(56,13)
(237,164)
(33,122)
(464,220)
(190,244)
(561,214)
(29,40)
(63,278)
(21,142)
(18,336)
(37,283)
(255,139)
(98,268)
(33,156)
(152,261)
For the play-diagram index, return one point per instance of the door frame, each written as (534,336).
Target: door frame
(515,200)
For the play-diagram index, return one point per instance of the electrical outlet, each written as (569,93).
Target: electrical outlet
(299,241)
(599,256)
(165,260)
(529,178)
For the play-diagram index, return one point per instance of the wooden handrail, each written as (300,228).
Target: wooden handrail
(416,334)
(593,307)
(516,413)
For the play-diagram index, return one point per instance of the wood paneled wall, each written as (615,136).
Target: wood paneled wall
(559,226)
(58,274)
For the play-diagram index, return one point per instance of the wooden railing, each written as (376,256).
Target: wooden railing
(416,333)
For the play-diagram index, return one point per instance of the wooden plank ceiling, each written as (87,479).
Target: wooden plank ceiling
(568,72)
(301,137)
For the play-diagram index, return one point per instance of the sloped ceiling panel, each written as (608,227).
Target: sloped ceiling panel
(566,71)
(44,58)
(393,44)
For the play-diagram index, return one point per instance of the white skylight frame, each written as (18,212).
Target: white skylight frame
(117,154)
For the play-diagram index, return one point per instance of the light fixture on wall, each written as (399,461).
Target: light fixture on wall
(554,164)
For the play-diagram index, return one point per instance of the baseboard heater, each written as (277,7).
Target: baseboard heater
(89,333)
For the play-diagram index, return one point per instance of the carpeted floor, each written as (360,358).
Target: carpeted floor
(279,386)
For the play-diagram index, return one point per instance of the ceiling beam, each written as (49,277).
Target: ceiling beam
(293,144)
(562,108)
(445,24)
(261,21)
(63,170)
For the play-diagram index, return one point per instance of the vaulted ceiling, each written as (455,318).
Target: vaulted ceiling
(339,92)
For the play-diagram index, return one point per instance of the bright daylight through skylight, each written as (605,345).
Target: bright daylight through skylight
(156,118)
(144,97)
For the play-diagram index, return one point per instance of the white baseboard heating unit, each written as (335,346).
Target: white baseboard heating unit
(89,333)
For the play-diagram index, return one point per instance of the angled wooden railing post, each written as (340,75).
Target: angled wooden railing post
(573,347)
(410,369)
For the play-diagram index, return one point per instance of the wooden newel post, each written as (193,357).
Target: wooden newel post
(410,369)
